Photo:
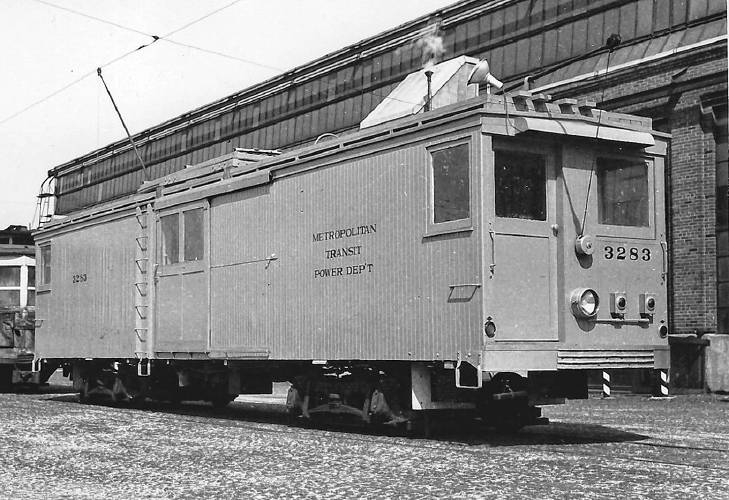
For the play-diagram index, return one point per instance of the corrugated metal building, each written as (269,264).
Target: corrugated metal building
(670,66)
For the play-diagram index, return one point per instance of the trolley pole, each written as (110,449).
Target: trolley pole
(129,136)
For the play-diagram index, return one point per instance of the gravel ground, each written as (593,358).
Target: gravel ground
(51,446)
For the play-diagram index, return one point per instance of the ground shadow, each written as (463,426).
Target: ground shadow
(468,432)
(41,389)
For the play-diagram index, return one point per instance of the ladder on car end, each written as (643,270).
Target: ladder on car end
(143,289)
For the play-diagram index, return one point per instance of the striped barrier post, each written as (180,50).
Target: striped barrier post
(605,384)
(663,377)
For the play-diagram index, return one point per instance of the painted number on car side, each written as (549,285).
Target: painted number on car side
(623,253)
(79,278)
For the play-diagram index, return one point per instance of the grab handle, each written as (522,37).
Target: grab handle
(492,234)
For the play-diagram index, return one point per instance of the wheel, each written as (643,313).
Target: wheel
(221,401)
(83,394)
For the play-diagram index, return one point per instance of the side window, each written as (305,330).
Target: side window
(520,185)
(170,247)
(31,285)
(182,237)
(622,187)
(10,286)
(451,190)
(9,276)
(194,248)
(45,265)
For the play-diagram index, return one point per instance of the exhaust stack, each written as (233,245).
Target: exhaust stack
(429,95)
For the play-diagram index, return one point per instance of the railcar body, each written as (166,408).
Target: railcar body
(481,255)
(17,307)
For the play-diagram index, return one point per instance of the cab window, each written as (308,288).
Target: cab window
(622,192)
(520,185)
(451,189)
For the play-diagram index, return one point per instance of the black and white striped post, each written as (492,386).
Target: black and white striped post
(663,383)
(605,384)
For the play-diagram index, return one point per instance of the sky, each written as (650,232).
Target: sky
(44,47)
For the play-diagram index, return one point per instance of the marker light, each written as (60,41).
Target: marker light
(489,328)
(618,303)
(647,304)
(584,303)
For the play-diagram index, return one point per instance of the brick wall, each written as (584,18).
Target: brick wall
(693,219)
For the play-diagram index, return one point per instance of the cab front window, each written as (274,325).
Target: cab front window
(520,185)
(623,193)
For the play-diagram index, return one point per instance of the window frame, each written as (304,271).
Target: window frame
(41,284)
(550,150)
(183,265)
(460,225)
(609,202)
(618,231)
(548,171)
(23,263)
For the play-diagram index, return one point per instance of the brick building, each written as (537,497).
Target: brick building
(671,66)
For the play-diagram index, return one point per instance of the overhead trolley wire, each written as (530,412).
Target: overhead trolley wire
(165,38)
(69,85)
(191,23)
(89,16)
(154,38)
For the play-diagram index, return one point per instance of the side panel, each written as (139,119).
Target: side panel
(379,289)
(88,308)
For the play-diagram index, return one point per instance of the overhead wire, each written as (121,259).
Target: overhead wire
(202,18)
(222,54)
(165,38)
(594,158)
(155,39)
(89,16)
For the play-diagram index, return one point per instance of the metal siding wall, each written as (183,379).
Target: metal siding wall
(399,311)
(94,318)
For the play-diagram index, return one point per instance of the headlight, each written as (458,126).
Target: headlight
(584,303)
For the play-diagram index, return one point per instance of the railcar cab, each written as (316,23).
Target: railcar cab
(576,257)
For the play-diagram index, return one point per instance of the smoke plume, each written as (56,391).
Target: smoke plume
(431,44)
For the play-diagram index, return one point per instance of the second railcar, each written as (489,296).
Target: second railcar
(479,256)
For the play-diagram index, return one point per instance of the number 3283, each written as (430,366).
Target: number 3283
(623,253)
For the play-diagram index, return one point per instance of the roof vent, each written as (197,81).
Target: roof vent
(432,87)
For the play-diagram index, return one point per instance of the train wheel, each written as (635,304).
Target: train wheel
(507,407)
(222,400)
(84,394)
(119,392)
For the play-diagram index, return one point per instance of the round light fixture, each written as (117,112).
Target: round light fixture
(584,303)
